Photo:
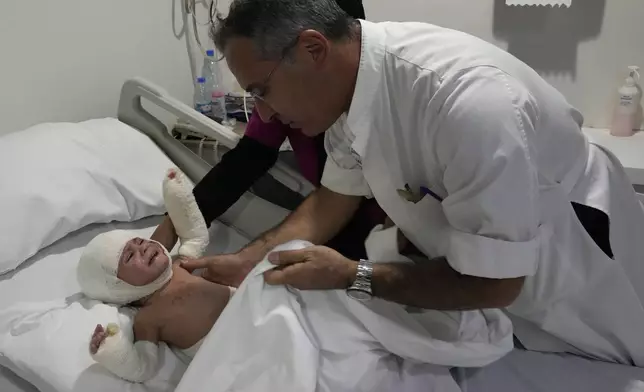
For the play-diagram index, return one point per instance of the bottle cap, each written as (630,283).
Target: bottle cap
(210,53)
(201,80)
(633,76)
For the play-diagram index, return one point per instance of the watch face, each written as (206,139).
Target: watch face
(359,295)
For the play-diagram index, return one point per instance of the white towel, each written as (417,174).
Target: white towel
(566,3)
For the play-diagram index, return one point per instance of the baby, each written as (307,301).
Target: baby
(173,305)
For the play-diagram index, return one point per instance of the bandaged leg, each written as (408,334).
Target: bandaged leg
(136,362)
(185,214)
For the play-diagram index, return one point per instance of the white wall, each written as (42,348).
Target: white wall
(583,51)
(65,60)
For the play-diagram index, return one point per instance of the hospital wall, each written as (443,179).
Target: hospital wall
(583,51)
(66,60)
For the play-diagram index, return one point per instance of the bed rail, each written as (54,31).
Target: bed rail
(251,215)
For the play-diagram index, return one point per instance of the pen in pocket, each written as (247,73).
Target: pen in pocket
(426,191)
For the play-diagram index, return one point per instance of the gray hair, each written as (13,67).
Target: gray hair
(274,25)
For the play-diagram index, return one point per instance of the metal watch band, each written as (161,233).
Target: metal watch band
(363,277)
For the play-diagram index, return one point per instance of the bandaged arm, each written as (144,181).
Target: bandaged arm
(135,361)
(185,214)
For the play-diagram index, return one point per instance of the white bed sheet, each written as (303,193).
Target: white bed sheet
(51,274)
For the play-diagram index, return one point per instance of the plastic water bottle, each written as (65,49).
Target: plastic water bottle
(218,110)
(208,69)
(214,87)
(202,100)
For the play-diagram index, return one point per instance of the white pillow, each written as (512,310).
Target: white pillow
(58,178)
(47,344)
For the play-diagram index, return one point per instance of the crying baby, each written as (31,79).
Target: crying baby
(173,306)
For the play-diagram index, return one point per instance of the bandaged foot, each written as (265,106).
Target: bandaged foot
(113,348)
(185,214)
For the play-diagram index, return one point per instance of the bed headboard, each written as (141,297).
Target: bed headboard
(251,215)
(131,112)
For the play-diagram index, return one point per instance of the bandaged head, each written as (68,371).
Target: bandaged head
(98,269)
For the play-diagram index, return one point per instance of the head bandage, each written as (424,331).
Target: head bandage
(98,268)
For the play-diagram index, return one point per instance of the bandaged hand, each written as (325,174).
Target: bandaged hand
(98,337)
(185,214)
(313,268)
(112,348)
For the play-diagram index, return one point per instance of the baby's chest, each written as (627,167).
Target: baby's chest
(187,317)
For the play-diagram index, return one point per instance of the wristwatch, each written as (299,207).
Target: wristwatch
(361,288)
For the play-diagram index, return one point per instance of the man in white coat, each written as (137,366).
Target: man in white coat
(479,162)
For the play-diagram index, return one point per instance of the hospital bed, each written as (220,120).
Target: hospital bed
(50,273)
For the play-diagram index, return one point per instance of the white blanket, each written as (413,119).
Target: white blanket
(272,338)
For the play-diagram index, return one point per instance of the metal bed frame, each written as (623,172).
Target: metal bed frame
(251,215)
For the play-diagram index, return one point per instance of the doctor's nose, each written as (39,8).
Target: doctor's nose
(266,113)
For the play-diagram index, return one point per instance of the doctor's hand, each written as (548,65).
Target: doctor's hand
(314,268)
(228,269)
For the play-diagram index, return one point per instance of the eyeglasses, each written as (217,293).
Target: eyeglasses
(260,91)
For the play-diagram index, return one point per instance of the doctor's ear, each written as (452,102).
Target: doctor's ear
(313,47)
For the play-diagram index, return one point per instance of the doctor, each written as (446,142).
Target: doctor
(480,163)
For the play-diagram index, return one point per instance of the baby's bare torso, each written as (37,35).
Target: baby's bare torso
(185,311)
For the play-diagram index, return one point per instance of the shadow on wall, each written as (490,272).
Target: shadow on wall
(546,38)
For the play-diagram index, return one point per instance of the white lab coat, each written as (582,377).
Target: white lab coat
(504,155)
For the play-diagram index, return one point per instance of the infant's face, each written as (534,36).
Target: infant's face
(141,262)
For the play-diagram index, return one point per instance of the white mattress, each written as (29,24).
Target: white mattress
(525,371)
(10,382)
(51,274)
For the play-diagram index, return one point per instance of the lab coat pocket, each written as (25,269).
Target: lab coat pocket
(427,226)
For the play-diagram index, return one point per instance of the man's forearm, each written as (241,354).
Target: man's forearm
(433,284)
(225,183)
(318,219)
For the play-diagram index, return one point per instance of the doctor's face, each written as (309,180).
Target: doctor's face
(294,89)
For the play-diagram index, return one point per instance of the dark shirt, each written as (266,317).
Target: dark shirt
(254,155)
(257,152)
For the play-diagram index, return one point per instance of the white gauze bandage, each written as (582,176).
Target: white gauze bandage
(185,214)
(98,267)
(136,362)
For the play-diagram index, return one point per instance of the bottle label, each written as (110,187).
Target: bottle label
(204,108)
(218,109)
(625,100)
